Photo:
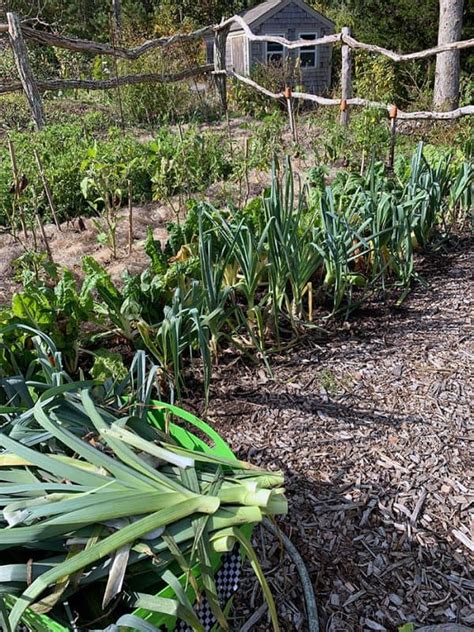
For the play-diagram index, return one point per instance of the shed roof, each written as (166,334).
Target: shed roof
(263,10)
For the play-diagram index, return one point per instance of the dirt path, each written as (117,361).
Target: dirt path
(372,430)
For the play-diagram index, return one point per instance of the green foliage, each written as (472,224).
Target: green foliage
(367,135)
(63,149)
(375,78)
(103,186)
(188,161)
(107,366)
(54,306)
(375,22)
(274,77)
(162,103)
(155,253)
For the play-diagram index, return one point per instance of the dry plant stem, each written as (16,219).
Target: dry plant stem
(44,237)
(180,130)
(130,218)
(35,239)
(229,129)
(362,163)
(47,190)
(254,619)
(310,600)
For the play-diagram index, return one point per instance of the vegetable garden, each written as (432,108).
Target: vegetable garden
(119,508)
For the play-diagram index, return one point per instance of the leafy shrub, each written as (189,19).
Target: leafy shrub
(187,161)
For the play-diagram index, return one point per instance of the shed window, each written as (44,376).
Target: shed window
(308,53)
(275,52)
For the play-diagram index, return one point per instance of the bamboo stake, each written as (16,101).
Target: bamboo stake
(247,179)
(44,237)
(47,190)
(130,218)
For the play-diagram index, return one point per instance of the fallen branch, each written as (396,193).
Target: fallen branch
(254,619)
(290,44)
(98,48)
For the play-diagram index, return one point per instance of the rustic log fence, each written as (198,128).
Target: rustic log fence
(19,33)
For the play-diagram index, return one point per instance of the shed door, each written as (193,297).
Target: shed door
(238,55)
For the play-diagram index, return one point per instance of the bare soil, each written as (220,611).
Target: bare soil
(373,429)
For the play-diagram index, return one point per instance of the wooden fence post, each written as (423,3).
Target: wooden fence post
(393,135)
(220,48)
(346,77)
(24,69)
(291,113)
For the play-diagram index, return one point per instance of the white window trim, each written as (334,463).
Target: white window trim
(285,50)
(316,48)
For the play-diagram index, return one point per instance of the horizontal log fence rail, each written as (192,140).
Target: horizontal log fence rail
(304,96)
(110,84)
(97,48)
(19,33)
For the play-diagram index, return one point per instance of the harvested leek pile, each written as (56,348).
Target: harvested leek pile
(100,510)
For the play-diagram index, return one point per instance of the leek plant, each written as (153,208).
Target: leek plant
(102,508)
(340,244)
(182,332)
(292,258)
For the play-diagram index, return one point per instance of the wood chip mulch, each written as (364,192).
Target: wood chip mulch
(372,428)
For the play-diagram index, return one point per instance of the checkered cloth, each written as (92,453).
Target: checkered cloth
(227,583)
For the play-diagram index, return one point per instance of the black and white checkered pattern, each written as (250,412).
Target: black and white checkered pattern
(227,583)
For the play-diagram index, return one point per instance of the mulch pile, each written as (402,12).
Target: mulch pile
(371,426)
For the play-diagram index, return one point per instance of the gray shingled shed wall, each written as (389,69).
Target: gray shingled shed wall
(292,19)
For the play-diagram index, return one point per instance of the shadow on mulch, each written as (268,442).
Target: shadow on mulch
(370,569)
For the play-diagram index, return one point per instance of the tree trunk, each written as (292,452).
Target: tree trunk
(446,91)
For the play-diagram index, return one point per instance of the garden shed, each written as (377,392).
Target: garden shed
(294,20)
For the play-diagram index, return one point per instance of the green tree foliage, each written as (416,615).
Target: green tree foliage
(401,25)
